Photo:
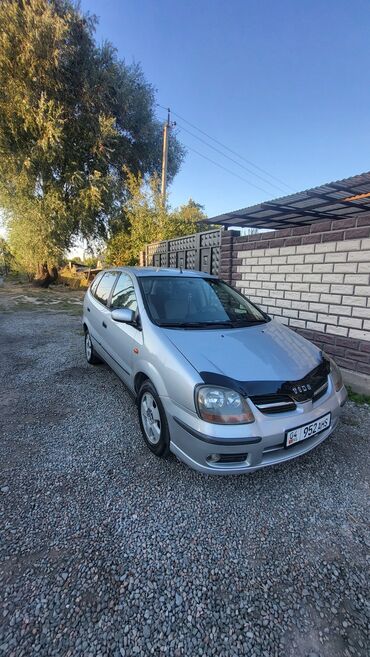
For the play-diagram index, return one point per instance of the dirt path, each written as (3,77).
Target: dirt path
(22,296)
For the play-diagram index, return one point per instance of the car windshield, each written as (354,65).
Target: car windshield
(191,302)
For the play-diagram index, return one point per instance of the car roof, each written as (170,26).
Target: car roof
(140,272)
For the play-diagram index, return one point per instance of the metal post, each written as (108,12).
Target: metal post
(166,128)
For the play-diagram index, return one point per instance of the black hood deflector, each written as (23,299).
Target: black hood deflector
(301,390)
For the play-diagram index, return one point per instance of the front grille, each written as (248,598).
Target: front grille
(270,404)
(320,391)
(290,393)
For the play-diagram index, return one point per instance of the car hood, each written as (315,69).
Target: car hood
(265,352)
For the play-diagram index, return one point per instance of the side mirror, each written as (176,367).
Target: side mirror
(123,315)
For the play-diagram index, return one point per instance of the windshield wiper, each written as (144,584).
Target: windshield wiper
(204,325)
(197,324)
(249,322)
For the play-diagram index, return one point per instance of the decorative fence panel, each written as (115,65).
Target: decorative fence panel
(200,251)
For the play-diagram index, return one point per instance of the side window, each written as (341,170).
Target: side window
(104,287)
(95,283)
(124,294)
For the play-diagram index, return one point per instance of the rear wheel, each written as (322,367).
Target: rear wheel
(90,353)
(152,418)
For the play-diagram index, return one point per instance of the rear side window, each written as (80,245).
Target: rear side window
(104,287)
(124,294)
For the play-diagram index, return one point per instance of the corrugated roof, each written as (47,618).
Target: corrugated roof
(336,200)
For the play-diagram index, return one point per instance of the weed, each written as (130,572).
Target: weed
(358,397)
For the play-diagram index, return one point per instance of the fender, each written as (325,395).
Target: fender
(152,373)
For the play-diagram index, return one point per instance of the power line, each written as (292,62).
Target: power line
(231,150)
(233,173)
(235,153)
(232,159)
(261,189)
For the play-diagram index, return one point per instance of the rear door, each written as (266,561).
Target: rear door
(124,338)
(99,312)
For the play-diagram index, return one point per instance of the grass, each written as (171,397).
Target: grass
(358,397)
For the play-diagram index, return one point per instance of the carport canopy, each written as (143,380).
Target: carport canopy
(342,199)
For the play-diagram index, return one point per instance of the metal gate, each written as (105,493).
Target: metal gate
(200,251)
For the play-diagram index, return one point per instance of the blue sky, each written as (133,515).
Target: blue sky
(283,83)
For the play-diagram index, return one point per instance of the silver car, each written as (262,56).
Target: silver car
(217,381)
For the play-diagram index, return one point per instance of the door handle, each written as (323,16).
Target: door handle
(104,324)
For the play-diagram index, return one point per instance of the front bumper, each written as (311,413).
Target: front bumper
(246,448)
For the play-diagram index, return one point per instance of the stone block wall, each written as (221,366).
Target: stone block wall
(315,279)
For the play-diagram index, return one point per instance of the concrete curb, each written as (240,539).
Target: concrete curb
(358,382)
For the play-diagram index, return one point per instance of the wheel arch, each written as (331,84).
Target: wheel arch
(146,370)
(140,377)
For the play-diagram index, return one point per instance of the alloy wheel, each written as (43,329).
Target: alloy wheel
(151,418)
(88,346)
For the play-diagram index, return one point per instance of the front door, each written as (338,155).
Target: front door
(124,338)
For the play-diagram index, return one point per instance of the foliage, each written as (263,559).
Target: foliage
(73,120)
(90,261)
(77,260)
(146,219)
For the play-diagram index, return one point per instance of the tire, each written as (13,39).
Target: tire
(90,353)
(153,421)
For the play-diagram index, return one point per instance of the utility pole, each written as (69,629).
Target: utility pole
(166,128)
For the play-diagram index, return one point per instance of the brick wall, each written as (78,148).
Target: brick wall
(315,279)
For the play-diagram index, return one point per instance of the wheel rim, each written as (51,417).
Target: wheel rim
(88,346)
(151,418)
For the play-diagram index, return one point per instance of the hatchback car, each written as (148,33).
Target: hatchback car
(217,381)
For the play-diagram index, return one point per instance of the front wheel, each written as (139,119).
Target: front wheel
(91,356)
(153,422)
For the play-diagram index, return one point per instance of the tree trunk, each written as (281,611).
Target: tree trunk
(44,277)
(53,273)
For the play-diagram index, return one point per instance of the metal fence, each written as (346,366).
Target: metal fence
(200,251)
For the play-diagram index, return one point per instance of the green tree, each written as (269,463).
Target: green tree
(73,120)
(146,219)
(185,220)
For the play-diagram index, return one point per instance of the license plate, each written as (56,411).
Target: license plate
(307,430)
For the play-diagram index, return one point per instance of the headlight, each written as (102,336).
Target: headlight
(222,406)
(335,373)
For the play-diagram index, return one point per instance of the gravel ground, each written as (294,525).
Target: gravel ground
(107,550)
